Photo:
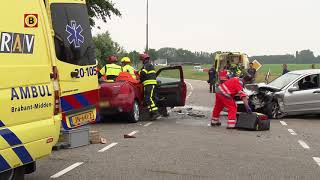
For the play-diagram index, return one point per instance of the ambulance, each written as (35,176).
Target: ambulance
(47,75)
(232,59)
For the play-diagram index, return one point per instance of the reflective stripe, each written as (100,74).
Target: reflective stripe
(154,109)
(17,147)
(4,165)
(231,125)
(23,154)
(224,87)
(149,82)
(151,98)
(152,71)
(223,92)
(1,124)
(231,121)
(148,72)
(10,137)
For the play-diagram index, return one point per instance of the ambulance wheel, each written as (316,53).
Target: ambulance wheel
(134,116)
(19,173)
(7,175)
(13,174)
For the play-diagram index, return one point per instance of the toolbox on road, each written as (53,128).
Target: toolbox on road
(76,137)
(253,121)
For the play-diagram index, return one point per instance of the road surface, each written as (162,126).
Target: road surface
(185,147)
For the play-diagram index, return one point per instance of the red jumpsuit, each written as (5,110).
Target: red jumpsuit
(223,75)
(225,99)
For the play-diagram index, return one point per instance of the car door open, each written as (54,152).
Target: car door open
(171,87)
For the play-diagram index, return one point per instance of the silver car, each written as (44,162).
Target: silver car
(295,93)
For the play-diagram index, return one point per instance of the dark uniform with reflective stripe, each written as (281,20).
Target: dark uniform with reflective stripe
(148,78)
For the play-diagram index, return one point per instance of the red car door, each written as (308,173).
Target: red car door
(172,89)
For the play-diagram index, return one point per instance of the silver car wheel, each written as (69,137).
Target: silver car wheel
(275,110)
(136,111)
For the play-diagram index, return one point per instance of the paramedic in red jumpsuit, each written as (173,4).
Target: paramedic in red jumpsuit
(225,99)
(223,75)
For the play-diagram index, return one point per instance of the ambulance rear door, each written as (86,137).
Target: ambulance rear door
(76,62)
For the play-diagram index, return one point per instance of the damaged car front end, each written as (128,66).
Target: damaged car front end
(269,98)
(265,99)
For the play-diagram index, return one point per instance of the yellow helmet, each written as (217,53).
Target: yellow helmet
(125,60)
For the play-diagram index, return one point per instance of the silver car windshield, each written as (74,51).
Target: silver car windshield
(283,80)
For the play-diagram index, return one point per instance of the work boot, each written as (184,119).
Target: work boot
(154,115)
(215,123)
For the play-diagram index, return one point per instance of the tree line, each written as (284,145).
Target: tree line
(301,57)
(105,47)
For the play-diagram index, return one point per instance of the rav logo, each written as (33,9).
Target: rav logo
(16,43)
(75,37)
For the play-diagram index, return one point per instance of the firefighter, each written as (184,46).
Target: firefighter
(148,79)
(225,99)
(111,70)
(126,67)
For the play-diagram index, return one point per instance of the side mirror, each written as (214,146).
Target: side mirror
(293,89)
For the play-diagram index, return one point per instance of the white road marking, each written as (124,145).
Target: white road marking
(108,147)
(291,131)
(283,123)
(303,144)
(191,91)
(317,160)
(133,133)
(148,124)
(66,170)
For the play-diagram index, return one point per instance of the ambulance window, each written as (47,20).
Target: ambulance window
(73,38)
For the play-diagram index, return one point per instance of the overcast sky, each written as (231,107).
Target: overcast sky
(255,27)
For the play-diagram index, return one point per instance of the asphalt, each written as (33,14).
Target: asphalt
(185,147)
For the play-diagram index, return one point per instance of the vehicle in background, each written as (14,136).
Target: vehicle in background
(125,96)
(76,62)
(295,93)
(198,68)
(30,117)
(233,59)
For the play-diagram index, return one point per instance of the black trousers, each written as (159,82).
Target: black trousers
(212,87)
(150,97)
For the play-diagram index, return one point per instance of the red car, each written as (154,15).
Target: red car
(125,96)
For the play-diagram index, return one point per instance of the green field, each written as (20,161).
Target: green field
(276,70)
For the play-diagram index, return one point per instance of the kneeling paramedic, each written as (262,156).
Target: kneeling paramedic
(225,99)
(111,70)
(148,78)
(126,67)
